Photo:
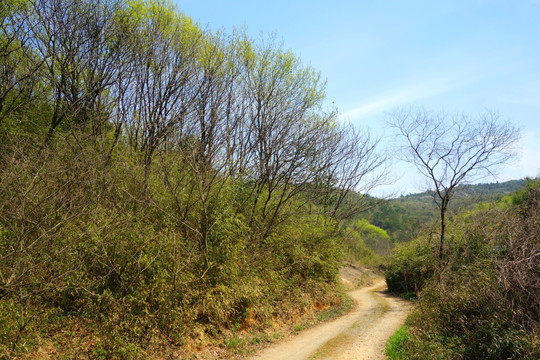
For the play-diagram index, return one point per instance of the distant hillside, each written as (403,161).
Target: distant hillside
(403,217)
(484,191)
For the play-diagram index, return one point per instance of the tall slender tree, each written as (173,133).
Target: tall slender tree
(452,149)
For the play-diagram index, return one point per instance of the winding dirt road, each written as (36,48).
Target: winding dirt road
(360,334)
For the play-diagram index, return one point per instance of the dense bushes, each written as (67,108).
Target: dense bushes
(484,304)
(366,244)
(411,266)
(114,256)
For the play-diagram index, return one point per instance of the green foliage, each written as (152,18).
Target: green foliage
(370,231)
(394,346)
(124,262)
(403,218)
(470,319)
(356,249)
(522,196)
(484,305)
(411,266)
(374,237)
(365,243)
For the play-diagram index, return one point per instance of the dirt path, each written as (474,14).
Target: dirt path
(360,334)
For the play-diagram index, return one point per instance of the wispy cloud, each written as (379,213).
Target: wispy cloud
(419,87)
(377,105)
(403,96)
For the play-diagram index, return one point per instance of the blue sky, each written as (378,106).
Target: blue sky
(457,56)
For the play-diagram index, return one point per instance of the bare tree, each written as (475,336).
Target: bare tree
(165,77)
(19,67)
(452,149)
(283,98)
(205,141)
(79,47)
(351,166)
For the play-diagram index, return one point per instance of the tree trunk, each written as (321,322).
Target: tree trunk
(443,230)
(444,208)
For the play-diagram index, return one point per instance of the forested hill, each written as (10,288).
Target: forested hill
(475,192)
(162,186)
(403,217)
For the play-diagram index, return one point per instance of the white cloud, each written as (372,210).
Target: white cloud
(374,106)
(429,87)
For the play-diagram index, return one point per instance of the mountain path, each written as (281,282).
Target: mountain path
(360,334)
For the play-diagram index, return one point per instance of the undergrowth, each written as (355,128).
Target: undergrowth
(484,303)
(394,346)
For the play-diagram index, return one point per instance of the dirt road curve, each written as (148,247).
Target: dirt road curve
(360,334)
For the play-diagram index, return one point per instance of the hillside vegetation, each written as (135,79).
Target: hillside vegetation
(484,303)
(404,217)
(162,187)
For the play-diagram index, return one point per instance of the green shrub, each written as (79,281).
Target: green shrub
(411,266)
(485,303)
(356,249)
